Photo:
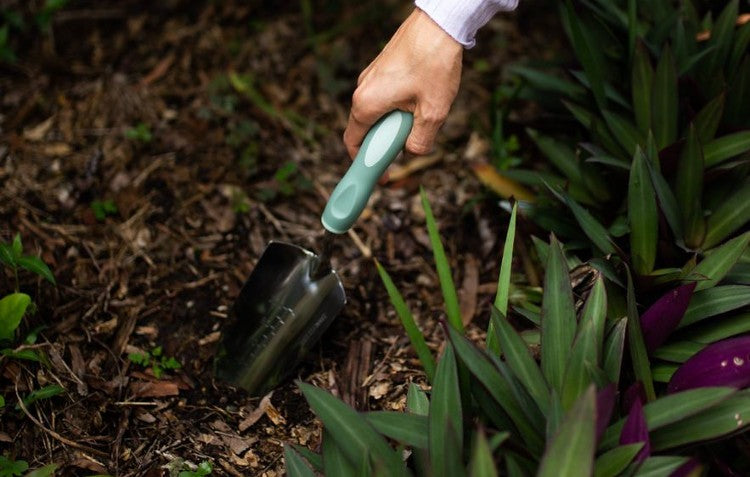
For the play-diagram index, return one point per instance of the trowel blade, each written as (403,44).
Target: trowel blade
(284,307)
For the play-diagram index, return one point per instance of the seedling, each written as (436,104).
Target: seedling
(12,468)
(204,468)
(103,208)
(155,360)
(141,133)
(11,254)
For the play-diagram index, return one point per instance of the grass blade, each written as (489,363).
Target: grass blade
(715,301)
(660,466)
(407,320)
(712,269)
(721,36)
(558,317)
(443,268)
(335,462)
(445,418)
(559,154)
(667,200)
(571,452)
(352,433)
(724,328)
(689,189)
(664,100)
(503,280)
(636,344)
(37,266)
(642,215)
(520,360)
(732,214)
(624,131)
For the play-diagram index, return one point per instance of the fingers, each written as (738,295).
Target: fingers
(427,122)
(367,108)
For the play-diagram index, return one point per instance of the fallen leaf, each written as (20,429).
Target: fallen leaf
(256,414)
(154,389)
(37,133)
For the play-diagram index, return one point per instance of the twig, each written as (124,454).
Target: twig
(54,434)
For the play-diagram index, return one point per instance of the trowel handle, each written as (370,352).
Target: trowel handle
(381,145)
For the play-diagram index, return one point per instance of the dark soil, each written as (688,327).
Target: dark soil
(230,93)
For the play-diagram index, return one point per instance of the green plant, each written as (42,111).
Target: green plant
(558,417)
(12,256)
(14,21)
(203,469)
(155,360)
(141,133)
(103,208)
(287,181)
(12,468)
(652,176)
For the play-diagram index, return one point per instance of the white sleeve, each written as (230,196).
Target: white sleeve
(462,18)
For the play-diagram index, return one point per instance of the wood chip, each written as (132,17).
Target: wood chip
(256,414)
(154,389)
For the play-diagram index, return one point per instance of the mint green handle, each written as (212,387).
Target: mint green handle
(381,145)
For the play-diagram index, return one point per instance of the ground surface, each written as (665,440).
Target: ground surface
(229,93)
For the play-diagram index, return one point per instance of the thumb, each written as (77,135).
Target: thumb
(427,121)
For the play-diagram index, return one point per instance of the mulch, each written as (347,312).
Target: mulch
(229,92)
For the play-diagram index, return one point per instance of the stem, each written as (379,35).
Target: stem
(15,274)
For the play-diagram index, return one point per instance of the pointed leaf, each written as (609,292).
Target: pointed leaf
(594,230)
(587,53)
(721,36)
(571,452)
(689,189)
(559,154)
(295,464)
(352,433)
(443,268)
(6,255)
(720,329)
(641,81)
(416,401)
(708,119)
(407,320)
(728,217)
(726,147)
(671,409)
(17,246)
(666,199)
(635,430)
(12,309)
(496,385)
(558,317)
(664,100)
(520,360)
(36,265)
(636,345)
(613,350)
(724,363)
(403,427)
(662,318)
(335,463)
(739,90)
(624,131)
(660,466)
(678,351)
(445,418)
(315,460)
(726,418)
(712,269)
(503,280)
(482,464)
(612,462)
(642,216)
(715,301)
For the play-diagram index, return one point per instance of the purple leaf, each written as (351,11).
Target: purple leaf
(605,404)
(724,363)
(634,392)
(691,468)
(662,318)
(636,430)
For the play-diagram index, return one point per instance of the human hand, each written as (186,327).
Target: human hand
(419,71)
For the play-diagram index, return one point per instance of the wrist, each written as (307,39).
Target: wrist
(462,19)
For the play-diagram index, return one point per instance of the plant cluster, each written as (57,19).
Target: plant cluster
(14,22)
(156,360)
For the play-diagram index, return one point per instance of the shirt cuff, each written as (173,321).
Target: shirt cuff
(461,19)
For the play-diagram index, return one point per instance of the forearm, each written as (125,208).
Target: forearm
(461,19)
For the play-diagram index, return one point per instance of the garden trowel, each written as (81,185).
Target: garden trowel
(292,294)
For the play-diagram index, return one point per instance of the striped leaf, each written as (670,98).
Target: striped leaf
(642,216)
(689,189)
(664,100)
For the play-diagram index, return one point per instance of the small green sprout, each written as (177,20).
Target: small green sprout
(156,360)
(141,133)
(204,468)
(103,208)
(12,468)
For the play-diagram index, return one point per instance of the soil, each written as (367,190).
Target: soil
(241,107)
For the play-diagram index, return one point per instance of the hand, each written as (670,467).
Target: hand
(419,70)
